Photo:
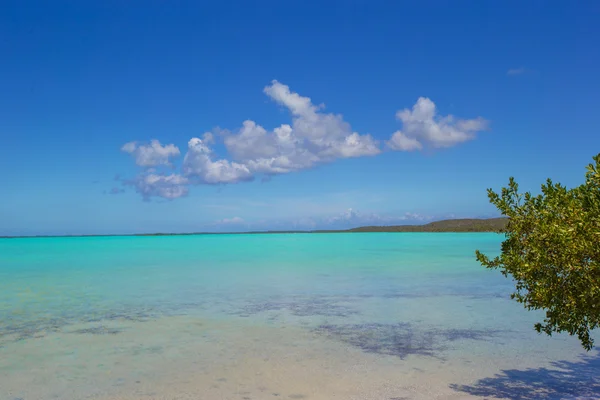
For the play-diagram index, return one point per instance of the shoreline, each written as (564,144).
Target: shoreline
(472,225)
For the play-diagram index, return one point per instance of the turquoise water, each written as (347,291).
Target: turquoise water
(374,314)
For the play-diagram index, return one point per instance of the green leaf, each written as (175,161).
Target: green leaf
(552,253)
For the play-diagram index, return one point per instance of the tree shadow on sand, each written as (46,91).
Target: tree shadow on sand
(563,380)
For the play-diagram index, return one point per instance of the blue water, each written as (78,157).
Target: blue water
(418,301)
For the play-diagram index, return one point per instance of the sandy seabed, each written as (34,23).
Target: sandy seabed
(186,357)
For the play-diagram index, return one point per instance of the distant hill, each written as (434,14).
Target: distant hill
(448,225)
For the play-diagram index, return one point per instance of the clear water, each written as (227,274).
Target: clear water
(315,316)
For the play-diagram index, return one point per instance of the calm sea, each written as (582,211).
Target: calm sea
(294,316)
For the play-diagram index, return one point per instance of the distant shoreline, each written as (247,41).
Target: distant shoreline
(445,226)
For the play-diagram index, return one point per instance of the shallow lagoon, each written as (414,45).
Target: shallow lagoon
(297,316)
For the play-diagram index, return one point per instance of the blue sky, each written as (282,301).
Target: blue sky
(278,115)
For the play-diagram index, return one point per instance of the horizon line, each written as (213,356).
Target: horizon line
(357,229)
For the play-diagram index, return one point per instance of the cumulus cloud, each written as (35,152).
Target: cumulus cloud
(152,154)
(400,141)
(421,126)
(198,164)
(312,137)
(208,138)
(150,184)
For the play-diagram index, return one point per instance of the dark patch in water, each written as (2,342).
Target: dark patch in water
(399,295)
(147,350)
(439,293)
(98,330)
(25,330)
(301,307)
(134,316)
(15,328)
(401,339)
(394,339)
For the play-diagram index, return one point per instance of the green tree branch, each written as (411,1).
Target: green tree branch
(552,251)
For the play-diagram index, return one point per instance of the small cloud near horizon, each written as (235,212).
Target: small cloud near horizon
(347,219)
(230,221)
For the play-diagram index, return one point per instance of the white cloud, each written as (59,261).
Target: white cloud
(422,127)
(313,138)
(151,155)
(516,71)
(353,218)
(150,185)
(230,221)
(208,138)
(350,218)
(348,215)
(198,164)
(251,142)
(399,141)
(129,147)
